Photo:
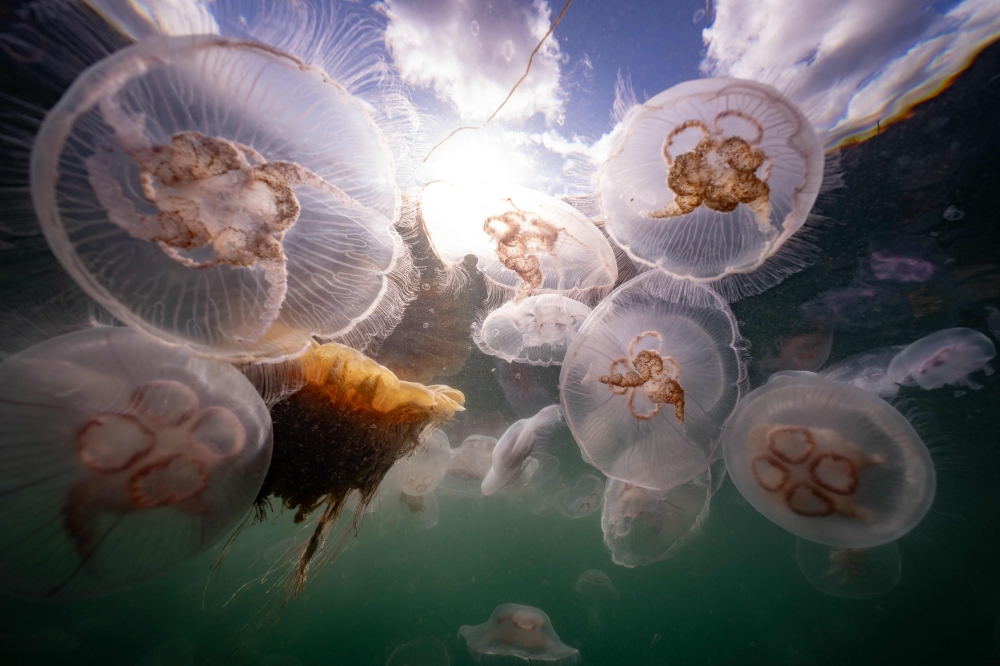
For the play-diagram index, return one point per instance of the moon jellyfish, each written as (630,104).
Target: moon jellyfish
(583,498)
(828,462)
(650,378)
(526,242)
(425,651)
(221,195)
(868,371)
(535,331)
(424,508)
(945,357)
(709,179)
(595,585)
(510,455)
(800,352)
(473,459)
(422,471)
(642,526)
(850,573)
(906,259)
(516,634)
(341,433)
(119,459)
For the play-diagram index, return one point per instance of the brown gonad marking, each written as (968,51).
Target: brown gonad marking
(814,471)
(520,237)
(657,376)
(718,173)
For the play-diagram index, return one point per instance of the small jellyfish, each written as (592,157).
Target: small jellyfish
(422,507)
(206,191)
(800,352)
(650,378)
(850,573)
(828,462)
(583,498)
(952,214)
(945,357)
(526,242)
(643,526)
(341,433)
(906,259)
(857,308)
(141,457)
(868,371)
(708,180)
(535,331)
(473,459)
(423,470)
(512,451)
(425,651)
(595,585)
(517,634)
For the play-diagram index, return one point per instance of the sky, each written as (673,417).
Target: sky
(849,64)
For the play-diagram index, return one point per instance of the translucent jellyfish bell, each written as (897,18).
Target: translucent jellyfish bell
(120,458)
(850,573)
(945,357)
(595,585)
(535,331)
(473,459)
(868,371)
(425,651)
(643,526)
(583,498)
(424,469)
(220,195)
(650,378)
(526,242)
(708,180)
(828,462)
(511,454)
(516,634)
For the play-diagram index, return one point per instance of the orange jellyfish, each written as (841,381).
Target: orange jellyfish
(342,432)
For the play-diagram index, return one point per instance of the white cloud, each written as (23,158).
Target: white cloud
(848,63)
(472,53)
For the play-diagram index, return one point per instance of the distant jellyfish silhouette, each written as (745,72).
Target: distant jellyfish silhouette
(828,462)
(128,456)
(906,259)
(650,378)
(868,371)
(642,526)
(850,573)
(945,357)
(222,195)
(583,498)
(424,508)
(510,455)
(423,470)
(526,242)
(472,460)
(517,634)
(709,179)
(808,351)
(424,651)
(535,331)
(857,308)
(595,585)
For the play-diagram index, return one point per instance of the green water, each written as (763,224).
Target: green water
(734,595)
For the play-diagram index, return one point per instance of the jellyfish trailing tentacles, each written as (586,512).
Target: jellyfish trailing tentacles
(342,432)
(729,162)
(119,459)
(828,461)
(177,182)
